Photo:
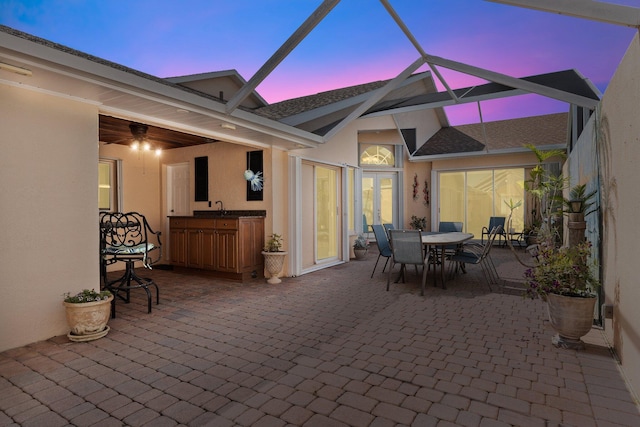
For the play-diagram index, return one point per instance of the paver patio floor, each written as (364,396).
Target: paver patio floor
(330,348)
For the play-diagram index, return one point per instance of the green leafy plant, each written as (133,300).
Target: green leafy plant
(563,271)
(87,295)
(361,242)
(418,223)
(274,243)
(578,193)
(546,190)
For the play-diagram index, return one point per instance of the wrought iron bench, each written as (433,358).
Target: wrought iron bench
(127,237)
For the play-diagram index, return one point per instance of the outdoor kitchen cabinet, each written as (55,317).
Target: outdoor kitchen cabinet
(226,247)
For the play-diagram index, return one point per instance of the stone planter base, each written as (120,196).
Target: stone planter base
(88,337)
(360,253)
(88,320)
(273,262)
(571,318)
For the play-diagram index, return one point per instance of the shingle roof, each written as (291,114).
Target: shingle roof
(567,80)
(550,129)
(289,107)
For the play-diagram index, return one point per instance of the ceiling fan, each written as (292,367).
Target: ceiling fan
(138,131)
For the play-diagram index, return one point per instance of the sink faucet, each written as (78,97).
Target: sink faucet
(221,209)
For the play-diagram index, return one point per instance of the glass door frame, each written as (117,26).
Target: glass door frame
(299,187)
(497,208)
(377,175)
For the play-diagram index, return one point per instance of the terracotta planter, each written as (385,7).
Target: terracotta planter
(88,320)
(360,253)
(273,262)
(571,318)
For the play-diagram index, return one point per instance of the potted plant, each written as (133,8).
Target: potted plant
(564,278)
(546,191)
(87,314)
(418,223)
(360,246)
(576,207)
(274,257)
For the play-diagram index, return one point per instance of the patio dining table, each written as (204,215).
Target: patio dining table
(438,239)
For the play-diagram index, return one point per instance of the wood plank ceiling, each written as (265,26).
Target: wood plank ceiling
(113,130)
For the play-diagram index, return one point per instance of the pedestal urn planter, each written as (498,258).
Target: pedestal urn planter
(273,262)
(572,318)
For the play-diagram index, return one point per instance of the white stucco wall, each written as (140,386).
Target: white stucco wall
(619,155)
(48,208)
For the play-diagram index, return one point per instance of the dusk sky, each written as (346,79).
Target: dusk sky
(358,42)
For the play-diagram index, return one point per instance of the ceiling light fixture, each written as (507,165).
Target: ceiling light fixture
(140,142)
(228,126)
(14,69)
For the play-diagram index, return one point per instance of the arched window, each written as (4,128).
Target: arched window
(378,155)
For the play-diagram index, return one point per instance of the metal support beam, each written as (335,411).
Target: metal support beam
(286,48)
(375,97)
(597,11)
(514,82)
(417,45)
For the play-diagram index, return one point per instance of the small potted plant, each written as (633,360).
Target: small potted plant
(418,223)
(360,246)
(274,257)
(87,313)
(565,280)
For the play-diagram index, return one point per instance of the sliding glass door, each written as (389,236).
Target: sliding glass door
(472,197)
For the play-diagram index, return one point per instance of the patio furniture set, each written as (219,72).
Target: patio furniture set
(426,249)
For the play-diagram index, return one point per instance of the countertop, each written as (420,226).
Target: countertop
(226,214)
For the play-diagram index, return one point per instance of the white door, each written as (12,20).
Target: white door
(178,189)
(379,199)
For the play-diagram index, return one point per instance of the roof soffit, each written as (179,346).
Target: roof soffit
(123,92)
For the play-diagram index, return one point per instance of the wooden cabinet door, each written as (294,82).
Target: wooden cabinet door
(178,244)
(208,249)
(251,243)
(227,250)
(194,248)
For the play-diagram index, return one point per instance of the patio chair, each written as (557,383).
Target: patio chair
(450,227)
(365,226)
(407,248)
(475,253)
(494,222)
(128,238)
(383,246)
(387,227)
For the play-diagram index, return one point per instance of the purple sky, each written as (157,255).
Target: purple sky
(357,42)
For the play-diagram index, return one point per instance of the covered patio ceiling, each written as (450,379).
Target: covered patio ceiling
(113,130)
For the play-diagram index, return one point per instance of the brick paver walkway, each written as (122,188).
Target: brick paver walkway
(331,348)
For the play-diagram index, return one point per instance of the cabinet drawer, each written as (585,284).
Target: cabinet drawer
(177,223)
(200,223)
(226,224)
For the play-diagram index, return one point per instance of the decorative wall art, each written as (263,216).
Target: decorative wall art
(426,193)
(254,175)
(415,187)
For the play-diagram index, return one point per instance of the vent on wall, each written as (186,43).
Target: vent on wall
(410,139)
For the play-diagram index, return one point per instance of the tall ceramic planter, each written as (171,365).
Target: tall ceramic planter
(571,318)
(88,320)
(273,262)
